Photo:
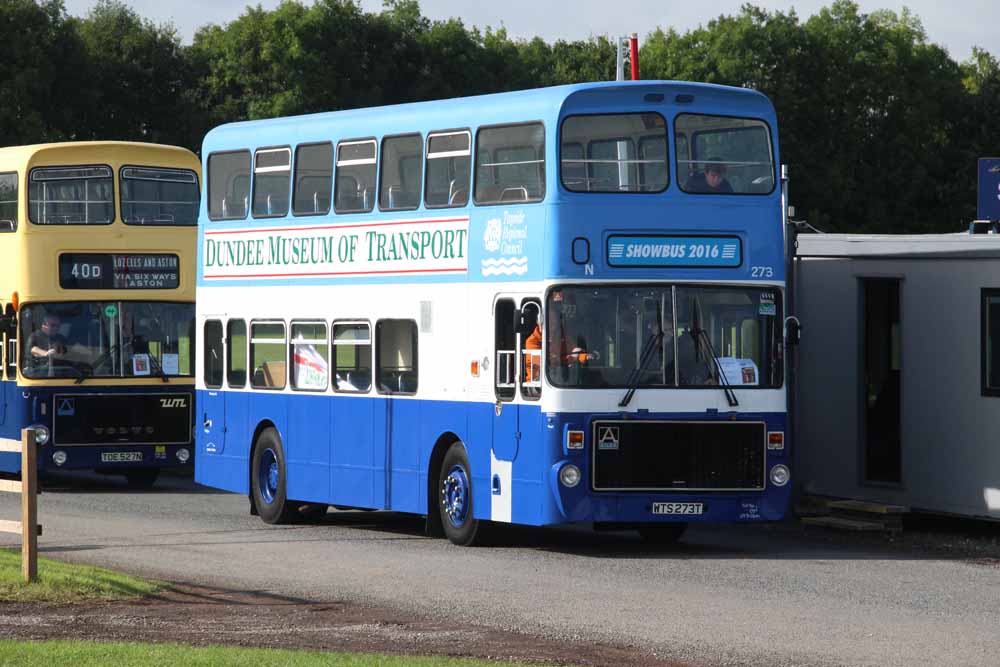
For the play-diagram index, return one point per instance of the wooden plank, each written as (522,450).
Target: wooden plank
(843,524)
(10,446)
(10,527)
(865,506)
(10,485)
(29,506)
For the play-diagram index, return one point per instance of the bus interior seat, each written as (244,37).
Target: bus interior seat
(517,193)
(274,373)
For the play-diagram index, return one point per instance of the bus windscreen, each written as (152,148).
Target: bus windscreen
(107,339)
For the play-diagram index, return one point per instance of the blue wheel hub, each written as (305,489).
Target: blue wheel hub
(268,475)
(455,497)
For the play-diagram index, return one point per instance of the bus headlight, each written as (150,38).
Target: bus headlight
(59,457)
(183,455)
(569,475)
(41,433)
(780,475)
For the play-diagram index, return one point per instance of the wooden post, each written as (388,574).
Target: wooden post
(29,506)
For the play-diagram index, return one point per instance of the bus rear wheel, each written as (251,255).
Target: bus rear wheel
(268,480)
(661,534)
(455,498)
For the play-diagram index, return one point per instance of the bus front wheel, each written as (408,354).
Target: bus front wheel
(455,498)
(268,481)
(141,478)
(662,533)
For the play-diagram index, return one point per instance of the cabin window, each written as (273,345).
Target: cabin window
(313,179)
(271,181)
(8,202)
(726,155)
(396,356)
(624,153)
(990,335)
(228,185)
(402,169)
(449,156)
(236,353)
(153,196)
(354,190)
(510,164)
(212,371)
(267,355)
(352,356)
(310,356)
(71,196)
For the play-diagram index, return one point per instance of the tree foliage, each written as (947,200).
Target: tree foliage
(880,127)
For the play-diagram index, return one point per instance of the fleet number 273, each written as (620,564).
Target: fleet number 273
(761,272)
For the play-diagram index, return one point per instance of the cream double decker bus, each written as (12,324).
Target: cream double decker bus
(97,301)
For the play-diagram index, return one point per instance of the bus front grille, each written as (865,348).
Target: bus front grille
(122,419)
(678,455)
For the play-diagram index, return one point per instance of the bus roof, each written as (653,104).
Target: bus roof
(24,154)
(544,104)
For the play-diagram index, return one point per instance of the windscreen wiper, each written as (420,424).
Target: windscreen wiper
(652,343)
(701,334)
(159,368)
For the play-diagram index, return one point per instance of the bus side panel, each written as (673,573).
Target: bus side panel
(352,465)
(307,447)
(407,417)
(14,418)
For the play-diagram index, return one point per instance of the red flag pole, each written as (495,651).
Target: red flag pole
(633,55)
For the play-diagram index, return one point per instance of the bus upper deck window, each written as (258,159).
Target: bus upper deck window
(71,196)
(354,188)
(271,182)
(448,168)
(228,185)
(313,179)
(153,196)
(402,169)
(724,155)
(510,164)
(614,153)
(8,202)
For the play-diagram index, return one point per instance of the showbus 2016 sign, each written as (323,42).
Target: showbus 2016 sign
(438,245)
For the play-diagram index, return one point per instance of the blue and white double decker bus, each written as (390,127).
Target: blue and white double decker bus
(553,306)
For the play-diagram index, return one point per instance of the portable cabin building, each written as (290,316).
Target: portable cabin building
(898,376)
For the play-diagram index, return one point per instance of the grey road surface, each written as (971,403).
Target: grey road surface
(727,595)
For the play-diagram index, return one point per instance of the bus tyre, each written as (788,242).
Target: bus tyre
(662,533)
(267,479)
(141,478)
(455,498)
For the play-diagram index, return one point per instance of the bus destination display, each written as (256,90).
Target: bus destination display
(118,271)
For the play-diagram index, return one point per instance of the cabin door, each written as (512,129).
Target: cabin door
(882,371)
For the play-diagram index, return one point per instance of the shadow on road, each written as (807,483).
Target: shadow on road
(82,481)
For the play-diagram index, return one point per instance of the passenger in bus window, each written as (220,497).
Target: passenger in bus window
(710,181)
(46,342)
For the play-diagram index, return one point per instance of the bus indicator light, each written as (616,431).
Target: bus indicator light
(775,440)
(574,440)
(474,368)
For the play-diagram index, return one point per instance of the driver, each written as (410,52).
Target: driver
(46,341)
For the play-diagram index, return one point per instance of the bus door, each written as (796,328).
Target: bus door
(396,362)
(518,368)
(211,404)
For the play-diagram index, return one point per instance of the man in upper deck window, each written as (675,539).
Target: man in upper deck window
(712,180)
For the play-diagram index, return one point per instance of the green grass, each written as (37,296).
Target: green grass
(85,654)
(62,582)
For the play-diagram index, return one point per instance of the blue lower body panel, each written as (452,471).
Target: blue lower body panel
(377,452)
(118,439)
